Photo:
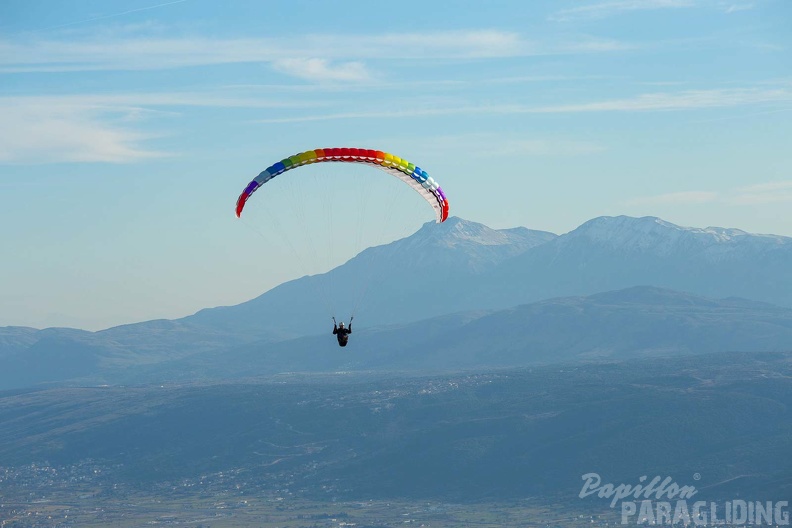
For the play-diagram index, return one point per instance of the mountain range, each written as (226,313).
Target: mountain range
(461,295)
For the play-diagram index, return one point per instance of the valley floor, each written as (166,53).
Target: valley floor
(201,508)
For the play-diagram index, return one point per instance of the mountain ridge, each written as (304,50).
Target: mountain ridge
(441,270)
(611,253)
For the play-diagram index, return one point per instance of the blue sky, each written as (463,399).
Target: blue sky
(130,127)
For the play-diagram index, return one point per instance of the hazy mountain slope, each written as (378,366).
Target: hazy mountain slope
(379,349)
(413,278)
(29,356)
(626,323)
(15,339)
(640,321)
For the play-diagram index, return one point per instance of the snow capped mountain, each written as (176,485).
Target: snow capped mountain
(610,253)
(456,243)
(658,236)
(650,235)
(653,235)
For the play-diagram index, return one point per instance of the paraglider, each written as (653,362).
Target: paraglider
(409,173)
(341,333)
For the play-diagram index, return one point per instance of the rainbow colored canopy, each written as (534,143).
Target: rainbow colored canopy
(414,176)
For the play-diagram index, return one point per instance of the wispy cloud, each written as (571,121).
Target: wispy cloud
(541,147)
(105,127)
(321,70)
(418,111)
(606,9)
(101,127)
(33,134)
(744,116)
(689,99)
(411,85)
(677,198)
(733,8)
(489,145)
(662,83)
(685,100)
(302,56)
(767,187)
(763,193)
(131,102)
(600,10)
(114,15)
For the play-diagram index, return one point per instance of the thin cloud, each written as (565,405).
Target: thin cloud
(401,113)
(300,55)
(607,9)
(544,147)
(54,139)
(744,116)
(101,127)
(761,198)
(489,145)
(690,99)
(445,85)
(767,187)
(676,101)
(662,83)
(759,194)
(320,70)
(132,102)
(763,193)
(677,198)
(734,8)
(114,15)
(51,134)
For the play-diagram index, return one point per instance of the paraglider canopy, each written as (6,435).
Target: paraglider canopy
(414,176)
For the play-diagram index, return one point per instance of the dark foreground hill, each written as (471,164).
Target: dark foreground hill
(490,436)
